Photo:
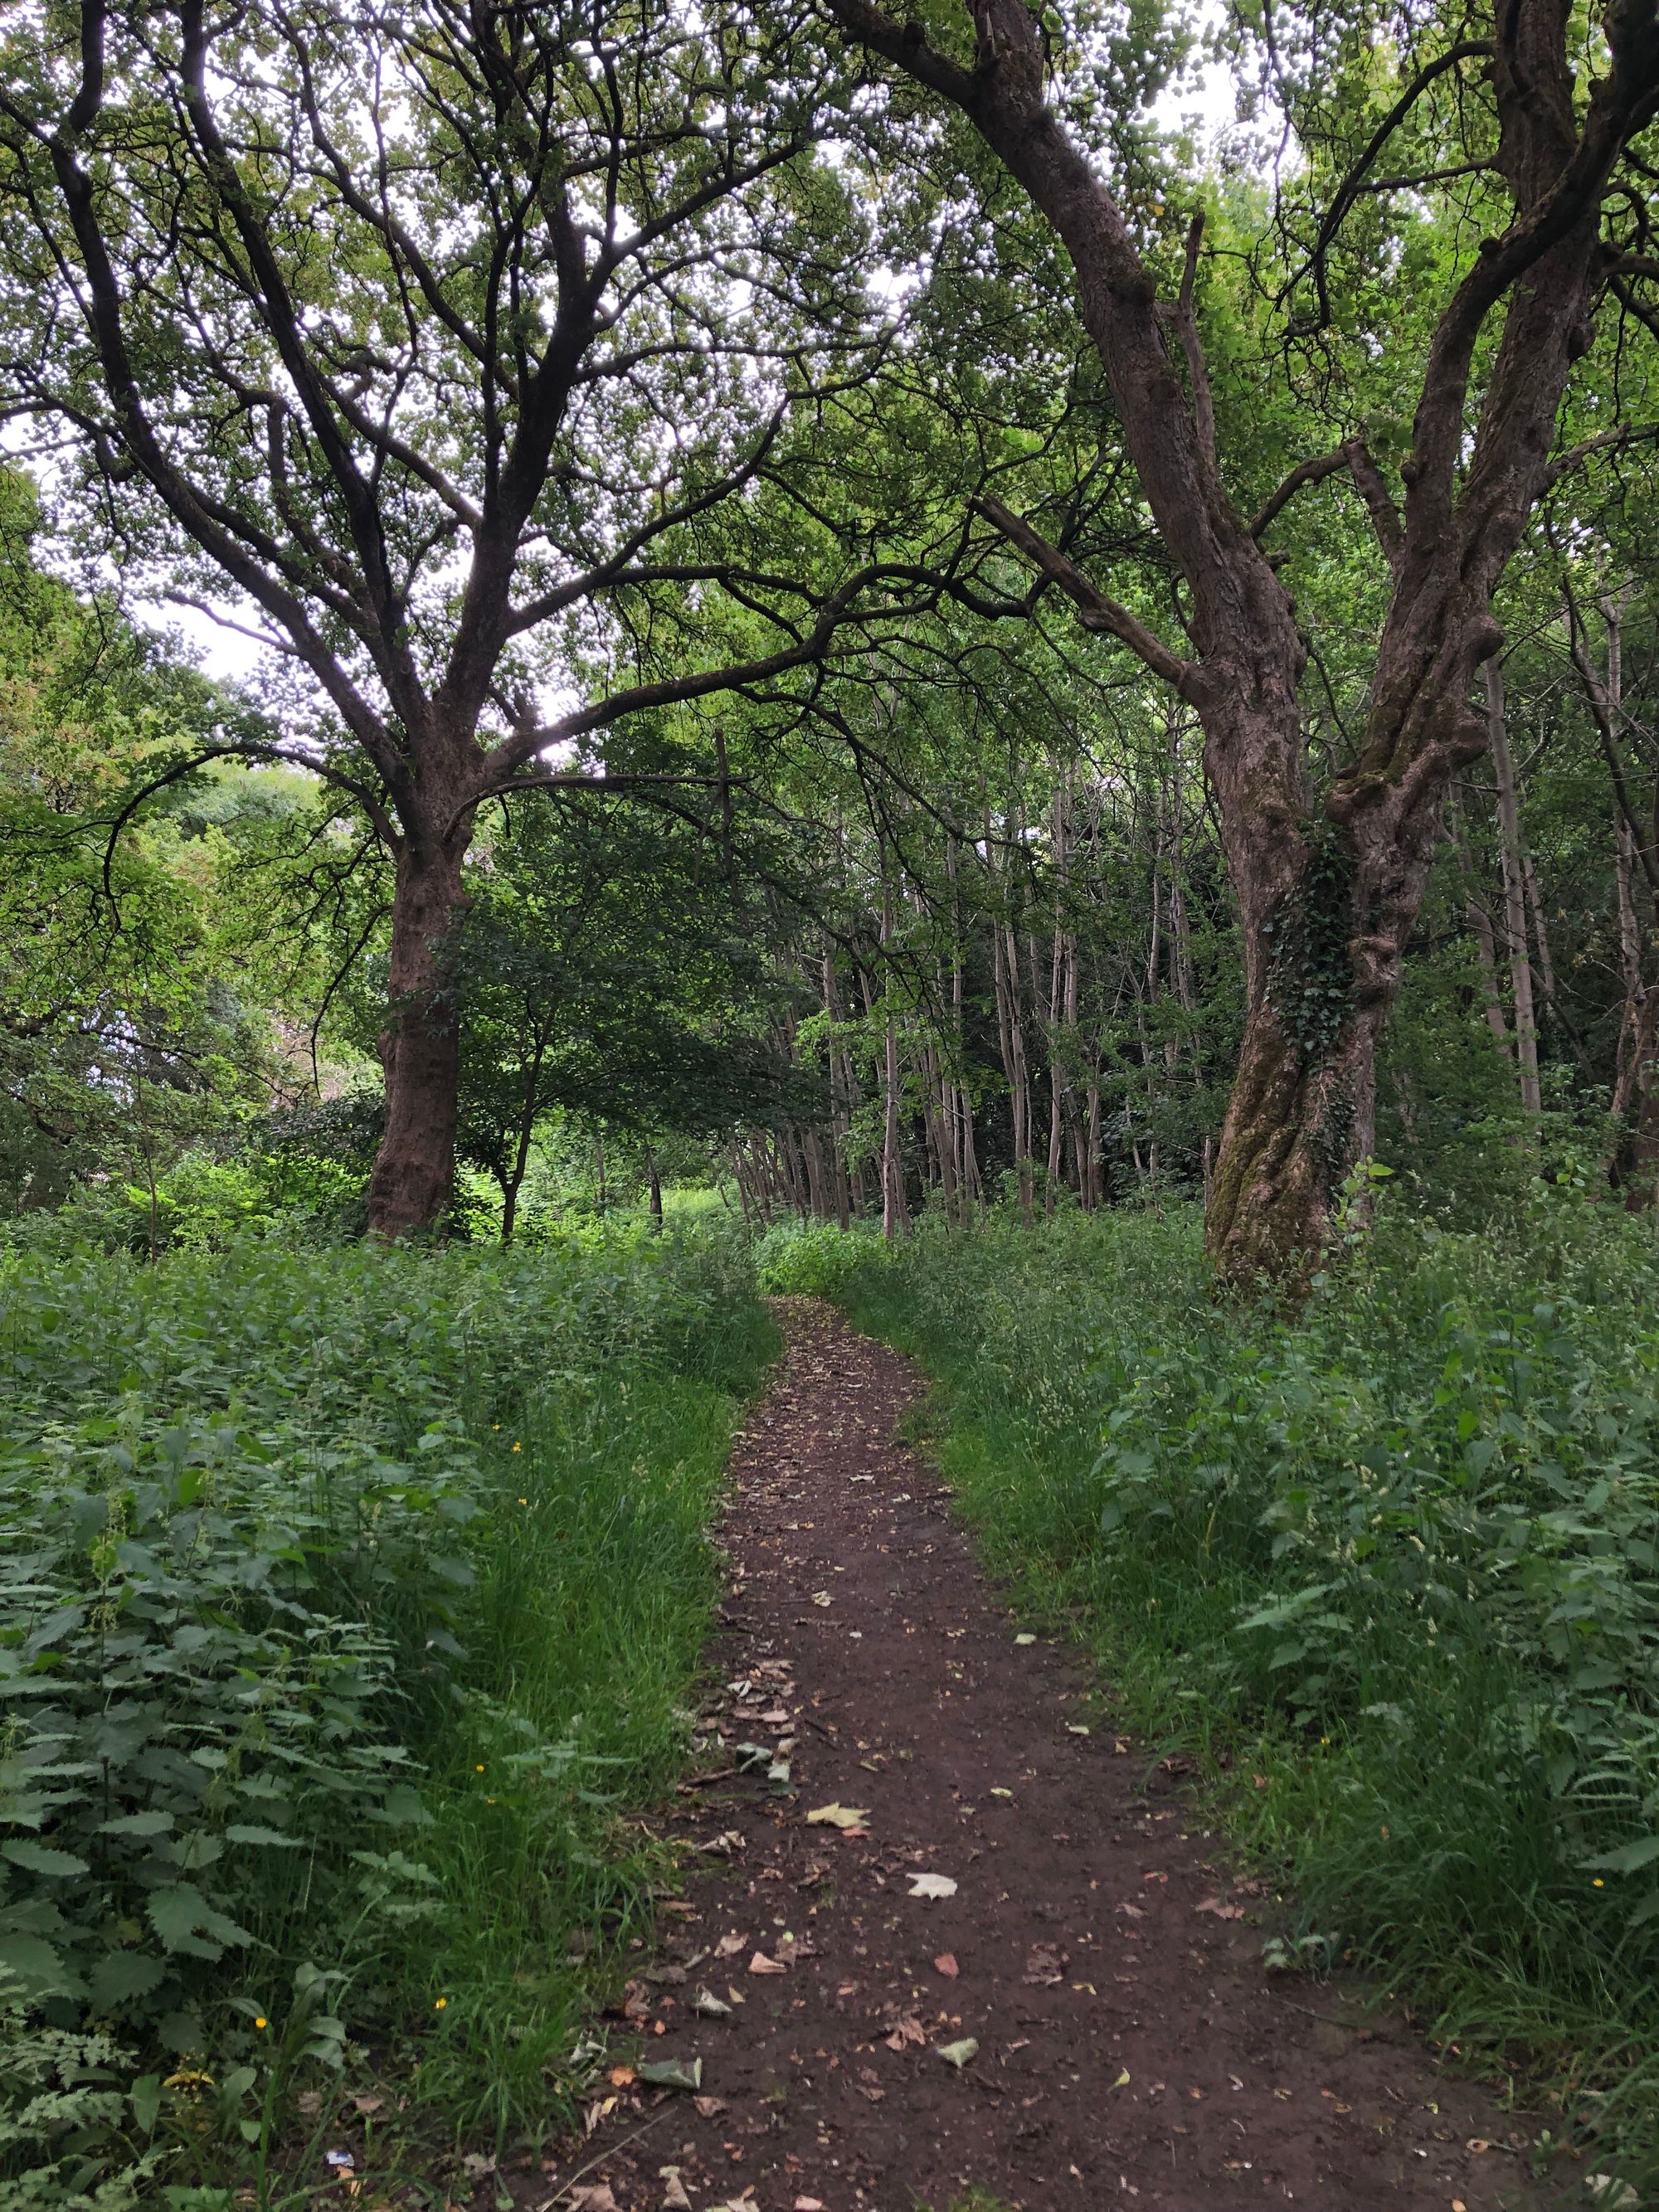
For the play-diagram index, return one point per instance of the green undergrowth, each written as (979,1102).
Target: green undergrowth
(1389,1565)
(349,1600)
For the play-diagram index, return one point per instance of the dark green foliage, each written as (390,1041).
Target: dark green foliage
(611,970)
(340,1595)
(1398,1554)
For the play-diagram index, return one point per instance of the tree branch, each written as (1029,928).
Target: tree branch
(1348,190)
(1097,612)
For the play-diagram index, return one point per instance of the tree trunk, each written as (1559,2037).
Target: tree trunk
(414,1171)
(1634,1167)
(1515,894)
(1327,894)
(1479,922)
(1329,902)
(654,1183)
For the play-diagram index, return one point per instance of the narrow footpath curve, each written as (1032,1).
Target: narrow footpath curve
(1131,2048)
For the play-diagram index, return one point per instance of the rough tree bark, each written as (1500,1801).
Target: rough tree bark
(1328,886)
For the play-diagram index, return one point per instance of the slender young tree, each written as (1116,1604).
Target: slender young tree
(455,348)
(1541,127)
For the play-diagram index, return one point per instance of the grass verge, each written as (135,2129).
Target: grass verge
(349,1605)
(1387,1565)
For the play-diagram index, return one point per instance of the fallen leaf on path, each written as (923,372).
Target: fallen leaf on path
(599,2111)
(945,1963)
(673,2073)
(908,2030)
(839,1816)
(622,2077)
(823,1597)
(710,2108)
(751,1755)
(958,2054)
(593,2196)
(760,1964)
(810,2203)
(1001,1793)
(931,1884)
(1477,2144)
(1045,1966)
(1076,1728)
(729,1946)
(1222,1910)
(1123,2080)
(674,2198)
(724,1845)
(1025,1639)
(1131,1911)
(710,2006)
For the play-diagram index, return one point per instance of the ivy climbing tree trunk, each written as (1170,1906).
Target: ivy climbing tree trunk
(1328,884)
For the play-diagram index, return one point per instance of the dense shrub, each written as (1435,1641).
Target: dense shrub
(340,1593)
(1401,1546)
(814,1258)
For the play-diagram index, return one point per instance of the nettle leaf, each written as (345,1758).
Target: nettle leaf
(39,1967)
(245,1832)
(120,1975)
(137,1824)
(40,1858)
(197,1849)
(1630,1857)
(185,1922)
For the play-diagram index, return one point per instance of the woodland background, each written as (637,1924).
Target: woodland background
(686,819)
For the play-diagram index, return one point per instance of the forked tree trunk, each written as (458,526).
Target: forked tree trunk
(1329,897)
(1328,894)
(414,1170)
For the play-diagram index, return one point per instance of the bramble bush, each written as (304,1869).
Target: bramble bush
(342,1595)
(1396,1554)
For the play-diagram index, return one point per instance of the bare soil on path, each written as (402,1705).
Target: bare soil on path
(1131,2048)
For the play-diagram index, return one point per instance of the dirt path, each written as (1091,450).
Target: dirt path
(1131,2048)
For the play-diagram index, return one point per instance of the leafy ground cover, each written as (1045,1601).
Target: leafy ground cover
(1387,1564)
(347,1598)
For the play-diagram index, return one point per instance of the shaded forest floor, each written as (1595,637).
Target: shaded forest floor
(1095,1950)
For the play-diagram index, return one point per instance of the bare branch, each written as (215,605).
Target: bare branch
(1305,472)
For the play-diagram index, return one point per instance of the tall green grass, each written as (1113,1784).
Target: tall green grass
(347,1599)
(1390,1563)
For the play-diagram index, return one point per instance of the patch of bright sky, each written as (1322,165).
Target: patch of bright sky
(1204,98)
